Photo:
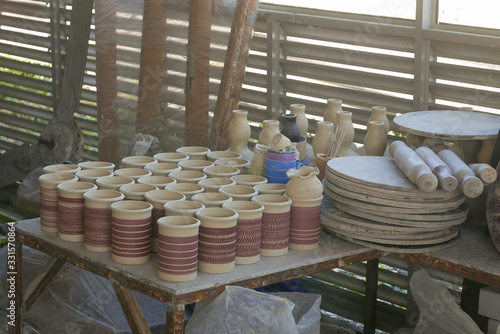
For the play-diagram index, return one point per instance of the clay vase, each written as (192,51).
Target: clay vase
(171,157)
(71,209)
(322,141)
(213,184)
(178,248)
(133,173)
(344,126)
(136,191)
(333,106)
(185,208)
(97,219)
(101,165)
(379,113)
(289,127)
(239,133)
(91,175)
(239,192)
(187,189)
(61,168)
(162,168)
(275,224)
(217,240)
(214,155)
(248,230)
(158,181)
(375,140)
(270,128)
(302,122)
(137,161)
(49,198)
(113,182)
(221,171)
(158,198)
(188,176)
(194,152)
(131,232)
(304,183)
(271,188)
(249,180)
(212,200)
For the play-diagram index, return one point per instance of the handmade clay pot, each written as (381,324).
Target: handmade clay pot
(102,165)
(281,144)
(171,157)
(133,173)
(214,155)
(91,175)
(239,192)
(137,161)
(158,181)
(304,183)
(248,180)
(158,198)
(289,127)
(71,209)
(113,182)
(332,107)
(375,140)
(305,223)
(136,191)
(182,208)
(322,141)
(301,147)
(188,176)
(221,171)
(196,165)
(187,189)
(131,232)
(97,218)
(49,198)
(344,126)
(270,128)
(275,224)
(258,160)
(239,133)
(217,240)
(212,200)
(212,185)
(241,164)
(194,152)
(162,168)
(271,188)
(178,248)
(302,122)
(379,113)
(61,168)
(248,230)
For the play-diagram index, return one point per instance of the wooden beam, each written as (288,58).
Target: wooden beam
(198,72)
(175,318)
(154,39)
(370,308)
(234,69)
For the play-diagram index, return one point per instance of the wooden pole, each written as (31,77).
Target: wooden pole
(105,21)
(197,73)
(154,39)
(234,69)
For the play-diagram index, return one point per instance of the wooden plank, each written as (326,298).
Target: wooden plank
(198,72)
(234,69)
(130,308)
(370,306)
(175,318)
(40,282)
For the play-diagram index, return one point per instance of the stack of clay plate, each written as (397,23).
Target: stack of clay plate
(371,202)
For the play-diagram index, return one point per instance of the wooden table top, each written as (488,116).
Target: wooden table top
(450,124)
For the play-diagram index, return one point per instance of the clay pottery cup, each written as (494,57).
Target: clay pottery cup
(196,165)
(162,168)
(221,171)
(212,185)
(137,161)
(61,168)
(239,193)
(249,180)
(182,208)
(136,191)
(113,182)
(212,200)
(215,155)
(187,189)
(133,173)
(271,188)
(194,152)
(101,165)
(239,163)
(158,181)
(91,175)
(171,157)
(188,176)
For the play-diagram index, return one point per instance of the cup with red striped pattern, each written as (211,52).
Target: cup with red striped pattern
(305,223)
(131,232)
(178,248)
(97,218)
(217,240)
(71,209)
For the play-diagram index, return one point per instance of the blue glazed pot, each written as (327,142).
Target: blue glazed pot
(276,164)
(273,179)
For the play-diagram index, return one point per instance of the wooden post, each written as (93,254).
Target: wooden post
(234,69)
(154,39)
(198,72)
(105,31)
(370,308)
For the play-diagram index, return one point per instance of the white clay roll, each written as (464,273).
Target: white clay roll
(413,166)
(447,181)
(485,172)
(471,185)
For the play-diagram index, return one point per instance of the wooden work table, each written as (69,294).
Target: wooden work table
(332,253)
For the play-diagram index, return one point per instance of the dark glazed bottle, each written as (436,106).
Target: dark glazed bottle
(289,127)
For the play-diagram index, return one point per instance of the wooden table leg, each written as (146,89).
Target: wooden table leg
(14,282)
(469,302)
(371,297)
(175,318)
